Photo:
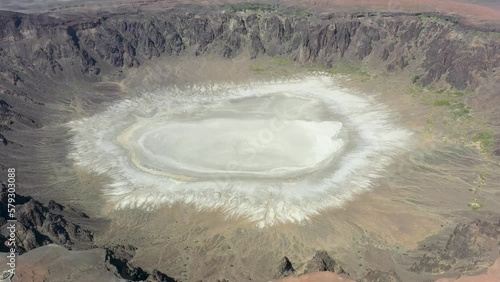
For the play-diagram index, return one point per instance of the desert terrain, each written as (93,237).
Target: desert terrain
(79,93)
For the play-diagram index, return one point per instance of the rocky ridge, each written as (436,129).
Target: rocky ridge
(39,53)
(322,262)
(469,246)
(39,225)
(285,268)
(42,225)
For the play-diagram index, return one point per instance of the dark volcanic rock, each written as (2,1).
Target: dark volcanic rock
(472,239)
(38,226)
(10,117)
(3,140)
(285,268)
(55,207)
(56,263)
(40,54)
(157,276)
(127,40)
(4,201)
(118,257)
(37,53)
(42,227)
(124,269)
(322,262)
(469,244)
(432,264)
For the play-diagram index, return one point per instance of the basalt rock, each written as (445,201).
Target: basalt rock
(38,225)
(472,239)
(56,263)
(157,276)
(322,262)
(9,117)
(118,261)
(38,52)
(46,227)
(470,244)
(285,268)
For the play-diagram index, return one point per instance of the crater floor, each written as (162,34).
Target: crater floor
(270,151)
(238,138)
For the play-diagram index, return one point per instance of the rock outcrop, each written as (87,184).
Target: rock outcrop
(38,225)
(322,262)
(468,246)
(321,266)
(118,261)
(39,53)
(41,225)
(471,246)
(285,268)
(381,276)
(9,117)
(472,239)
(491,275)
(56,263)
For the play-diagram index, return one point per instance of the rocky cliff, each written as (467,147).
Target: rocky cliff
(470,245)
(39,225)
(39,53)
(436,45)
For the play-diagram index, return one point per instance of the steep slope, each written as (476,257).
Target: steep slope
(39,54)
(42,57)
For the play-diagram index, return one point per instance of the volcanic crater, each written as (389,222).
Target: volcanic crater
(212,142)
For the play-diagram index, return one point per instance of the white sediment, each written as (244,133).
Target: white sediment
(270,151)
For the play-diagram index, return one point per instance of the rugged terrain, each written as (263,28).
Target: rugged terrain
(58,66)
(41,54)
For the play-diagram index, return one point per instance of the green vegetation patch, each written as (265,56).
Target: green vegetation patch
(457,93)
(454,116)
(256,68)
(276,66)
(441,103)
(343,69)
(460,110)
(486,139)
(281,61)
(475,205)
(450,98)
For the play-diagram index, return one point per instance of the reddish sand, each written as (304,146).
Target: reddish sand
(316,277)
(492,275)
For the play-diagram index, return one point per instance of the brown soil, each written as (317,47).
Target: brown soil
(316,277)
